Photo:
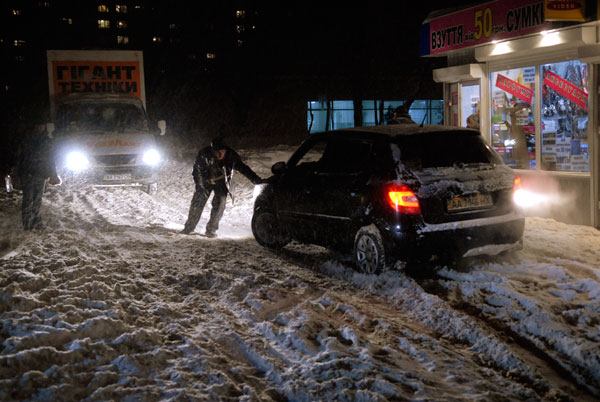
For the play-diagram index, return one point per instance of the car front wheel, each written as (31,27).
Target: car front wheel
(267,230)
(369,254)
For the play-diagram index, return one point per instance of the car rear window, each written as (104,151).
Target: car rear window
(445,149)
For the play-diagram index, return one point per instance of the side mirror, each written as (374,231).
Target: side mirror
(278,168)
(50,129)
(162,125)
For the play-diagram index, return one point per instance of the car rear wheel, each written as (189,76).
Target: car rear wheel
(369,254)
(267,230)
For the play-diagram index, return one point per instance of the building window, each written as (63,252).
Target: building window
(240,28)
(44,4)
(121,24)
(103,24)
(122,40)
(173,26)
(18,42)
(374,112)
(121,8)
(102,8)
(68,21)
(210,55)
(564,138)
(16,12)
(19,58)
(513,130)
(240,13)
(156,39)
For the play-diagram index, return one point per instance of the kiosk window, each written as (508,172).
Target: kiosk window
(512,126)
(565,117)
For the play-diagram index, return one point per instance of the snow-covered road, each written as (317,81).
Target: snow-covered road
(110,302)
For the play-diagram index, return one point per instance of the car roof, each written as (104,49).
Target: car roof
(396,130)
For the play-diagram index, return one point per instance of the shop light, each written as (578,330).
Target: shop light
(550,38)
(501,48)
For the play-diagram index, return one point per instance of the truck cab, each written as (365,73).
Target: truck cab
(106,140)
(98,110)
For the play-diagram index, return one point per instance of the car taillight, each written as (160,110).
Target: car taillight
(517,183)
(403,199)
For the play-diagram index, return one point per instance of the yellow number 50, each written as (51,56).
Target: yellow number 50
(483,23)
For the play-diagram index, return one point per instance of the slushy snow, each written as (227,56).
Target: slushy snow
(110,302)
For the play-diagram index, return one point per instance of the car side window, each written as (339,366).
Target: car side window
(343,156)
(313,154)
(303,164)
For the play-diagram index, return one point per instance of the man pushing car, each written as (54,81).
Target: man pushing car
(212,172)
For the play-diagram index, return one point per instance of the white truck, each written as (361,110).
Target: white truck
(99,120)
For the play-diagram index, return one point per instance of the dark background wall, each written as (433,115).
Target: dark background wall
(268,60)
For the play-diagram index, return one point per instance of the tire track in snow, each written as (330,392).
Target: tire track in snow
(313,262)
(542,360)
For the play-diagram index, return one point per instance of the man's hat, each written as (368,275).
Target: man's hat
(218,143)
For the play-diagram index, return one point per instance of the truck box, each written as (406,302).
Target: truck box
(98,111)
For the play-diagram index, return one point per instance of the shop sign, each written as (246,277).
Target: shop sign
(565,88)
(514,88)
(565,10)
(484,23)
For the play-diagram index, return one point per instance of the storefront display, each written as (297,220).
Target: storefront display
(539,76)
(513,128)
(565,117)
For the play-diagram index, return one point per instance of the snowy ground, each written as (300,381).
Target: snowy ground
(111,303)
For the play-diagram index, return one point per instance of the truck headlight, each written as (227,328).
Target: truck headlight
(77,161)
(151,157)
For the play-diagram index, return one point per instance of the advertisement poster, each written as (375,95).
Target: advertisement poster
(96,76)
(514,88)
(565,88)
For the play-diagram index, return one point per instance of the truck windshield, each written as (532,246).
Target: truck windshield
(100,117)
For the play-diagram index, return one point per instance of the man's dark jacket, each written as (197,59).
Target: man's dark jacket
(209,172)
(35,156)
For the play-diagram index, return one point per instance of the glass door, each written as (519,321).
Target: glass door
(470,95)
(451,109)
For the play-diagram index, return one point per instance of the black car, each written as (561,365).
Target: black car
(396,192)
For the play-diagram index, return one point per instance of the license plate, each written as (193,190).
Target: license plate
(460,203)
(117,177)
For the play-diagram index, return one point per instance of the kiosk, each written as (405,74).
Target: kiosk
(525,72)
